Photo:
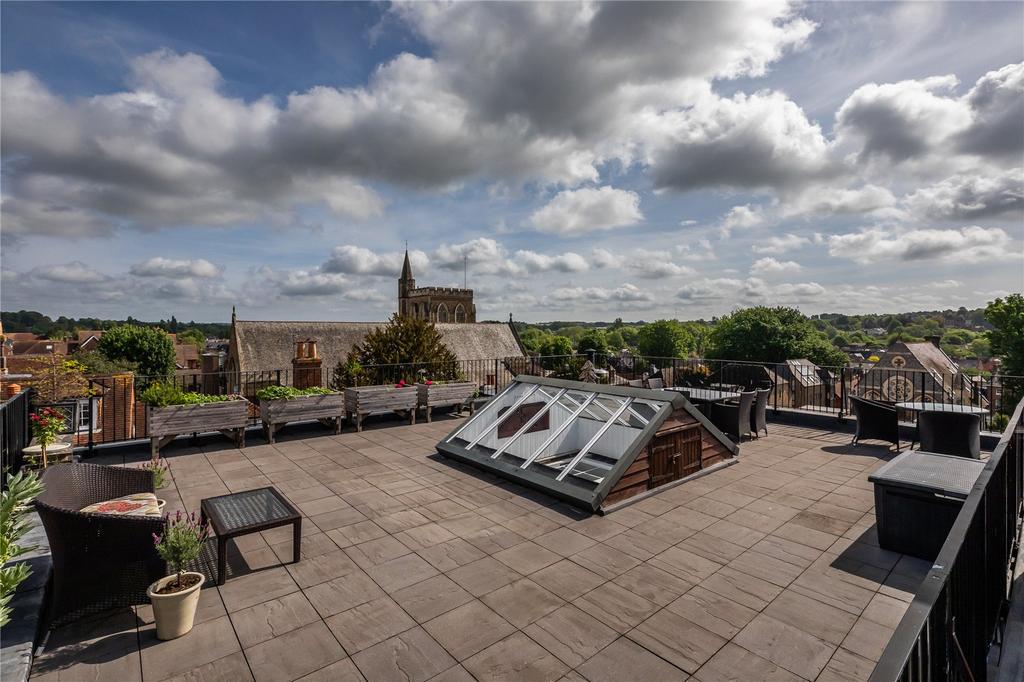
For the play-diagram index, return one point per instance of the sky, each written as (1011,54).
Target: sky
(587,160)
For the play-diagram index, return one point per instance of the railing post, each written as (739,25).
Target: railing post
(91,413)
(842,395)
(495,376)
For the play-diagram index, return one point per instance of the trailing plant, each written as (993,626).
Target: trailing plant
(160,394)
(22,488)
(181,542)
(285,392)
(158,468)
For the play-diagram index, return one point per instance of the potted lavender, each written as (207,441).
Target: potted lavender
(176,596)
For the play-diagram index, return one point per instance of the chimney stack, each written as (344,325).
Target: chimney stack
(307,365)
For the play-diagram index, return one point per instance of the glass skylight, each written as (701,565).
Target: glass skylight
(562,434)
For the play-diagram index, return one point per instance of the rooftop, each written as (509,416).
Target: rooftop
(416,567)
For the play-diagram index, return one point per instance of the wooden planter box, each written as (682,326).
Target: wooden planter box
(328,408)
(456,393)
(228,417)
(363,400)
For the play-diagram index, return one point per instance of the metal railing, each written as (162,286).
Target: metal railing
(958,610)
(115,413)
(15,433)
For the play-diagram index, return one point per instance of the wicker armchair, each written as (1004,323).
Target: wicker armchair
(875,421)
(759,413)
(100,561)
(950,433)
(733,418)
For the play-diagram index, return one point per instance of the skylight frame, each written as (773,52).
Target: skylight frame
(543,478)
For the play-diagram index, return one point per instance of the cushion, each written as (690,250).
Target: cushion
(139,504)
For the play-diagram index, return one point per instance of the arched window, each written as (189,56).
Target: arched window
(442,313)
(460,313)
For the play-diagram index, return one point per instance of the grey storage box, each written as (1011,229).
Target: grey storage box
(917,498)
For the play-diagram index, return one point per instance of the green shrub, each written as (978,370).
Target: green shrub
(151,349)
(285,392)
(22,488)
(162,395)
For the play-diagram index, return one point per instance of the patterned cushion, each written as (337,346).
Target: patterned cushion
(139,504)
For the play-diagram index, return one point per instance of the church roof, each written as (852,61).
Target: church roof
(267,345)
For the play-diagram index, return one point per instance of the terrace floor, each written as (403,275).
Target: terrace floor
(415,568)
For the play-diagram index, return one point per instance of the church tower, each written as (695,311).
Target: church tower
(406,284)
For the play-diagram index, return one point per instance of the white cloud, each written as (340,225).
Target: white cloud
(159,266)
(603,258)
(573,212)
(534,262)
(970,197)
(356,260)
(655,265)
(751,290)
(771,266)
(966,245)
(780,244)
(75,272)
(483,255)
(624,294)
(741,217)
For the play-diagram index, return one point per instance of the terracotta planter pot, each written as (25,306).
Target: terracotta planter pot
(174,613)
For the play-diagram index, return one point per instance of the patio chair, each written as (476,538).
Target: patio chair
(875,421)
(654,382)
(733,418)
(100,561)
(758,414)
(950,433)
(636,383)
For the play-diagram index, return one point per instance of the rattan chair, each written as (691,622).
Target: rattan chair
(950,433)
(733,418)
(654,382)
(759,413)
(100,561)
(875,421)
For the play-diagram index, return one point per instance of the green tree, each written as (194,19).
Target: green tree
(149,348)
(593,340)
(532,338)
(630,336)
(763,334)
(556,345)
(1006,337)
(412,343)
(664,339)
(615,341)
(97,364)
(195,337)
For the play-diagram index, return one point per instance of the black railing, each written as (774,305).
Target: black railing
(114,413)
(946,632)
(15,433)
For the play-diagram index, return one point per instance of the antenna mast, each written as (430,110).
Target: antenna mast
(465,271)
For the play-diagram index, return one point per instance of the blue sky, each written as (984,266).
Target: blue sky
(591,161)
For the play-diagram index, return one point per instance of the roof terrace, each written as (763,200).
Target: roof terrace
(415,567)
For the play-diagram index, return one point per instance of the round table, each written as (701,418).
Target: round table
(54,451)
(941,407)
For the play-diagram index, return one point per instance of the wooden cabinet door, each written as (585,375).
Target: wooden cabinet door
(673,455)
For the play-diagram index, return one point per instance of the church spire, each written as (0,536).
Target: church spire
(406,267)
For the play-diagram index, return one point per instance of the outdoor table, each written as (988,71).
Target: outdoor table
(705,395)
(53,450)
(941,407)
(917,498)
(250,511)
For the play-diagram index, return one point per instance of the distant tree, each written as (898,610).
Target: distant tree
(556,345)
(149,348)
(56,378)
(413,344)
(630,335)
(97,364)
(195,337)
(763,334)
(980,347)
(1006,338)
(593,340)
(665,339)
(573,332)
(700,332)
(615,341)
(532,338)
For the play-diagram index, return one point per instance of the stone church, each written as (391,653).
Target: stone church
(437,304)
